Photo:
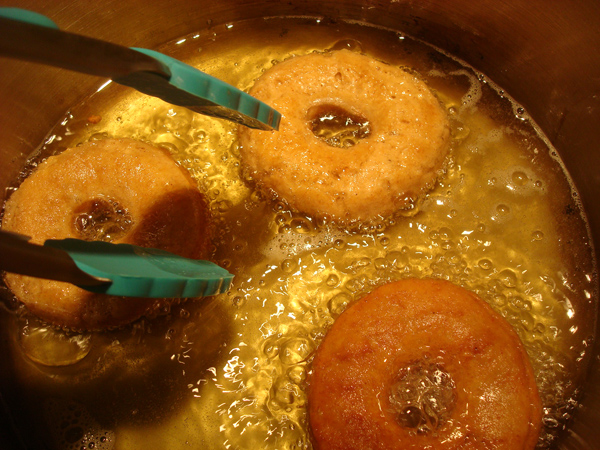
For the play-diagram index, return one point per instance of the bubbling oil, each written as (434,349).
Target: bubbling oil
(336,126)
(232,371)
(423,396)
(101,220)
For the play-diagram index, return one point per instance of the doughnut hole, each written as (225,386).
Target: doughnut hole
(423,396)
(101,220)
(337,126)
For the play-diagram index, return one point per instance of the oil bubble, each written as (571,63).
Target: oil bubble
(285,392)
(332,280)
(445,234)
(270,349)
(74,428)
(295,350)
(385,241)
(508,278)
(200,136)
(257,196)
(526,321)
(54,348)
(354,285)
(281,219)
(381,264)
(348,44)
(502,209)
(280,207)
(520,178)
(98,136)
(518,303)
(461,132)
(338,304)
(285,229)
(297,374)
(301,225)
(339,244)
(499,300)
(288,265)
(537,235)
(399,260)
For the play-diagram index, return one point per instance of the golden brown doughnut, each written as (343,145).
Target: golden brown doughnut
(116,190)
(422,364)
(400,129)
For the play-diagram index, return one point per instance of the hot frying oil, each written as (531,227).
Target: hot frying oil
(232,371)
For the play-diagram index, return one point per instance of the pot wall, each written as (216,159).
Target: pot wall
(542,52)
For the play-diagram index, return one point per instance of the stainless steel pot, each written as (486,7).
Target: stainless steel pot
(544,53)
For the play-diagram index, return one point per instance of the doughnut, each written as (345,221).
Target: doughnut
(115,190)
(422,364)
(359,139)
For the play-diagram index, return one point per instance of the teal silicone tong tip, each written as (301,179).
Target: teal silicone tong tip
(33,37)
(123,270)
(143,272)
(25,15)
(223,100)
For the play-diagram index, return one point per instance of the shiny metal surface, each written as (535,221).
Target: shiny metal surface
(544,53)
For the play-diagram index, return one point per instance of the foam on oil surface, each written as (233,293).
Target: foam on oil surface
(74,428)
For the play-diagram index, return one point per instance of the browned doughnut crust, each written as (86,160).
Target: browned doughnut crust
(165,208)
(385,171)
(422,323)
